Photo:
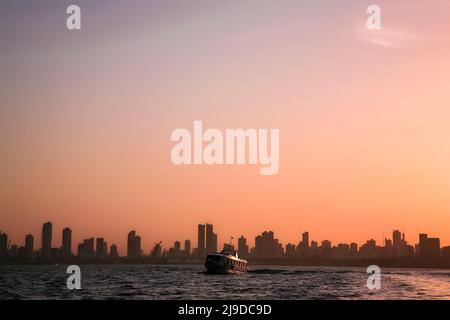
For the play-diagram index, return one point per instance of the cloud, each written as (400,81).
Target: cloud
(387,37)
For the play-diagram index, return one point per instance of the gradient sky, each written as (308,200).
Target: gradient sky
(86,118)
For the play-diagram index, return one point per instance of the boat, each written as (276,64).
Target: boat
(225,262)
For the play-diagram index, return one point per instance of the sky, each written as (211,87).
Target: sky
(86,118)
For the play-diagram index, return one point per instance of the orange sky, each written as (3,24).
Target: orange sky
(86,119)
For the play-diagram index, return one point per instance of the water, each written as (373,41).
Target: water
(188,282)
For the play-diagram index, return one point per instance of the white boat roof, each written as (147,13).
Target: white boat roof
(226,255)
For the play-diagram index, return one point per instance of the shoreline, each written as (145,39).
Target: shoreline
(281,262)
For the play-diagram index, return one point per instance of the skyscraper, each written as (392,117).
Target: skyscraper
(177,249)
(113,251)
(266,246)
(29,246)
(211,239)
(3,244)
(86,249)
(66,248)
(398,244)
(303,246)
(242,247)
(305,239)
(138,246)
(133,245)
(187,248)
(429,248)
(46,240)
(201,241)
(100,247)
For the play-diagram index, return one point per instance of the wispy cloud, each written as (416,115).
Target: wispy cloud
(388,37)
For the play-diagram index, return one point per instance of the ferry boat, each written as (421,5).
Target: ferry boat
(225,262)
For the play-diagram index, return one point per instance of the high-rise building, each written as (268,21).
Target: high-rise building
(46,240)
(201,241)
(211,239)
(266,246)
(177,249)
(138,246)
(66,248)
(303,246)
(214,243)
(290,250)
(369,250)
(305,239)
(445,252)
(398,245)
(342,251)
(3,245)
(113,251)
(133,245)
(353,250)
(387,250)
(429,248)
(187,248)
(242,247)
(29,246)
(101,247)
(86,249)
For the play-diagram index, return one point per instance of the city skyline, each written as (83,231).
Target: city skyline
(265,245)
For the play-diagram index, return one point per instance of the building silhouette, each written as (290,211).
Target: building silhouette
(176,250)
(398,244)
(187,248)
(429,248)
(156,251)
(47,240)
(211,239)
(3,245)
(66,248)
(243,247)
(353,250)
(29,246)
(303,246)
(201,248)
(86,248)
(445,252)
(266,246)
(101,247)
(133,245)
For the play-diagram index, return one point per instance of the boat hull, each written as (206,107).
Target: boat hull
(218,269)
(224,264)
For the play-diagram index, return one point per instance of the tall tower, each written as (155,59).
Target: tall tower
(211,239)
(201,241)
(397,243)
(66,249)
(29,246)
(242,247)
(305,239)
(131,244)
(187,247)
(46,240)
(100,246)
(3,244)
